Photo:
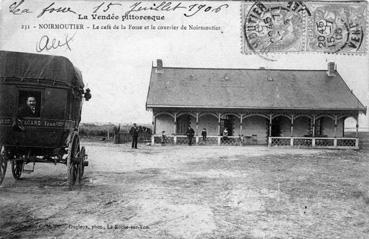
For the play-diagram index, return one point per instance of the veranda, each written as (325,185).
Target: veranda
(273,128)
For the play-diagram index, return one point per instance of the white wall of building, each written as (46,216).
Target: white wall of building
(285,126)
(301,126)
(164,123)
(328,127)
(210,123)
(256,126)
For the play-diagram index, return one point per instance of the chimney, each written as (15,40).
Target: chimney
(332,67)
(159,66)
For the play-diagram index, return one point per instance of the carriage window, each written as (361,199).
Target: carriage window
(29,104)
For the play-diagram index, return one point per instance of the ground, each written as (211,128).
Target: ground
(193,192)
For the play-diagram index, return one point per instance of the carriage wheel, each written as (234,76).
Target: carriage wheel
(72,161)
(3,164)
(17,168)
(81,167)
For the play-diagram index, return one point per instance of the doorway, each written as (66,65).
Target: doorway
(227,122)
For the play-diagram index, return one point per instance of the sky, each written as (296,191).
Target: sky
(116,64)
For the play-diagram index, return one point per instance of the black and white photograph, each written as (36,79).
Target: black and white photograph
(184,119)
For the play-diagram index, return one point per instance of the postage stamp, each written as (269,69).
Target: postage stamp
(337,28)
(290,26)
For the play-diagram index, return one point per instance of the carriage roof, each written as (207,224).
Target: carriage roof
(38,66)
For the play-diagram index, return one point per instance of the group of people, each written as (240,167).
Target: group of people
(190,133)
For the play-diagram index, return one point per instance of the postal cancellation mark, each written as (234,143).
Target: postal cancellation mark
(290,26)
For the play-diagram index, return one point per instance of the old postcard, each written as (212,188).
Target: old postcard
(184,119)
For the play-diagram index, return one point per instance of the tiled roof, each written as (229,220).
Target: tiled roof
(249,89)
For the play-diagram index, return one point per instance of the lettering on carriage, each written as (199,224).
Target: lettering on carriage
(53,123)
(5,121)
(49,124)
(46,43)
(41,123)
(32,122)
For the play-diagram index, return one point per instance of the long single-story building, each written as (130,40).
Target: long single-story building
(257,106)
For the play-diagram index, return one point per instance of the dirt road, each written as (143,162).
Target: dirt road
(193,192)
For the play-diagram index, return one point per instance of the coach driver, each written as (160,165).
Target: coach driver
(30,109)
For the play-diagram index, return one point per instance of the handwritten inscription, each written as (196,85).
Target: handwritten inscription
(52,9)
(16,8)
(164,6)
(105,6)
(192,9)
(46,44)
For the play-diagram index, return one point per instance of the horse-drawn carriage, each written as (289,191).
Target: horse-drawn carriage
(40,111)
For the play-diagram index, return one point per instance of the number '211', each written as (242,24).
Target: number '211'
(25,27)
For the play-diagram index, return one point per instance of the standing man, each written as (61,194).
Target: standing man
(134,133)
(190,133)
(204,134)
(163,138)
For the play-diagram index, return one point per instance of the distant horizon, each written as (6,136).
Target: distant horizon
(347,128)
